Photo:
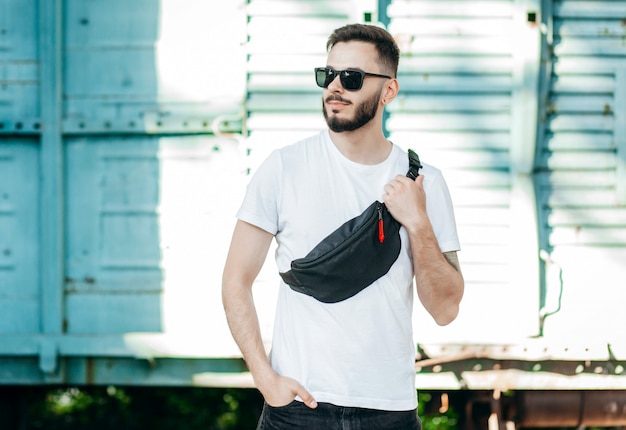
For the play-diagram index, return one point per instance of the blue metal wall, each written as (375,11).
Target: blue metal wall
(119,178)
(581,168)
(127,130)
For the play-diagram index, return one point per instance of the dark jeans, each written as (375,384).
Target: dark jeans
(326,416)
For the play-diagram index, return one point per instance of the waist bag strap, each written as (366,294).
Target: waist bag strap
(414,165)
(369,242)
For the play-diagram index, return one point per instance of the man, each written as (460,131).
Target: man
(349,364)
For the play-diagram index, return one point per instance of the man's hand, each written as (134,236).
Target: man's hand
(406,200)
(438,277)
(281,391)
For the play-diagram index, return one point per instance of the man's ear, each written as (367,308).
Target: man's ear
(390,91)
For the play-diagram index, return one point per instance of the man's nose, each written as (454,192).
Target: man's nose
(335,84)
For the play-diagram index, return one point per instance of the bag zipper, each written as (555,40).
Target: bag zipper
(381,229)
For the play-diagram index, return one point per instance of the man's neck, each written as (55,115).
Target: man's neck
(363,146)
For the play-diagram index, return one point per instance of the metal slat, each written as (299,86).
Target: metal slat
(260,121)
(488,235)
(582,123)
(296,63)
(589,9)
(300,8)
(448,122)
(278,44)
(589,217)
(455,83)
(581,161)
(590,28)
(456,65)
(620,134)
(289,83)
(486,273)
(577,178)
(475,216)
(476,160)
(479,253)
(477,177)
(578,198)
(462,46)
(579,141)
(450,26)
(590,46)
(571,104)
(300,25)
(465,103)
(588,236)
(588,65)
(482,197)
(584,84)
(432,8)
(444,139)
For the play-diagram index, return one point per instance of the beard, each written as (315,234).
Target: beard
(365,111)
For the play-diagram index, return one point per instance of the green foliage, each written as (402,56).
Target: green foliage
(138,408)
(160,408)
(446,420)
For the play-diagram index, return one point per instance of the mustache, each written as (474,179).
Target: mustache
(336,98)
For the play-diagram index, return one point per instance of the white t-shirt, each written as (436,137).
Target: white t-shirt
(359,352)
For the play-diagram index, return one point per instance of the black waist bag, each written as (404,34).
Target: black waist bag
(353,256)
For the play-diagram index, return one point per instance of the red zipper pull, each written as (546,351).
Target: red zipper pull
(381,230)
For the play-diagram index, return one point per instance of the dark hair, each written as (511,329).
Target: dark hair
(388,51)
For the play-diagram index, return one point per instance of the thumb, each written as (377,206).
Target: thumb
(307,398)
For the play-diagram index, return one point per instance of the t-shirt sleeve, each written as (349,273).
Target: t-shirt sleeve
(260,203)
(441,213)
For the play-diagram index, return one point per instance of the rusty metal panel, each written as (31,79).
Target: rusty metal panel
(571,409)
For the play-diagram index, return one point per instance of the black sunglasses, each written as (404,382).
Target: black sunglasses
(351,80)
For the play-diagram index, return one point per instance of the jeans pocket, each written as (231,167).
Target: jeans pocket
(291,416)
(293,403)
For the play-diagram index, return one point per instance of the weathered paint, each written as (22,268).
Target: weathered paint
(124,145)
(580,169)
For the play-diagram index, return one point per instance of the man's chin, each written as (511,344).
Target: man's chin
(340,127)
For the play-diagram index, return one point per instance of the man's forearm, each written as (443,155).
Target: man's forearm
(439,281)
(244,326)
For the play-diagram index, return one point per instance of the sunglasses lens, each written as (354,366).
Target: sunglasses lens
(324,76)
(352,79)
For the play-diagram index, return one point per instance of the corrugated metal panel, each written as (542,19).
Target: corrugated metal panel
(466,104)
(582,167)
(286,40)
(463,105)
